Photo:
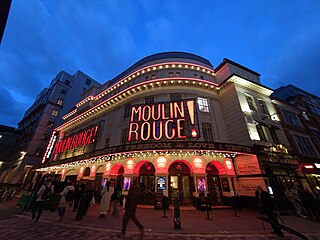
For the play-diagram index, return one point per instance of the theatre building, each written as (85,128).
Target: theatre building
(175,124)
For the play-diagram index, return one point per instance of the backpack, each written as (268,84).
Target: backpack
(46,193)
(70,195)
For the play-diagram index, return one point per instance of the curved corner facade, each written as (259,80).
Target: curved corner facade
(175,125)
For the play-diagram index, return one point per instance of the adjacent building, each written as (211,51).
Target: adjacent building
(39,121)
(299,112)
(175,124)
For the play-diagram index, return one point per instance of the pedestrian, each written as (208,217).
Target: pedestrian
(116,198)
(66,196)
(266,207)
(130,210)
(78,191)
(42,199)
(309,203)
(106,194)
(293,198)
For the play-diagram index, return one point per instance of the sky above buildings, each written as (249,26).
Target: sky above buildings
(102,38)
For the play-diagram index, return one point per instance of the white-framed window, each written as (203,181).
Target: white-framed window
(203,104)
(251,103)
(291,118)
(55,112)
(305,145)
(263,107)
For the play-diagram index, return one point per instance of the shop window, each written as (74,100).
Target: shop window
(203,104)
(88,82)
(305,145)
(261,133)
(124,135)
(149,100)
(291,118)
(127,110)
(55,112)
(63,91)
(50,124)
(250,102)
(60,101)
(207,132)
(263,107)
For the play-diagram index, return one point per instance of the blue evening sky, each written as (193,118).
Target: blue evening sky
(278,39)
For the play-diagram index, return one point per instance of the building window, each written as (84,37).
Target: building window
(149,100)
(291,118)
(67,82)
(263,107)
(170,74)
(305,145)
(274,136)
(45,137)
(146,78)
(153,76)
(60,101)
(207,132)
(63,91)
(127,110)
(261,133)
(124,135)
(250,102)
(203,104)
(305,116)
(39,152)
(55,112)
(195,75)
(201,77)
(107,142)
(50,124)
(175,97)
(178,74)
(88,82)
(314,109)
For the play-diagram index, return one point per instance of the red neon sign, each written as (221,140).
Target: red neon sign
(81,139)
(161,120)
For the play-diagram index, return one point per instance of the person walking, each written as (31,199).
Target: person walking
(266,207)
(293,198)
(66,196)
(106,194)
(116,198)
(130,210)
(309,203)
(43,197)
(78,191)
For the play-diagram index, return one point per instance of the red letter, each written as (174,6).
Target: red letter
(176,109)
(153,112)
(164,112)
(143,131)
(179,128)
(146,109)
(135,111)
(131,130)
(154,130)
(166,130)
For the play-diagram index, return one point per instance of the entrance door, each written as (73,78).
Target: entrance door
(147,183)
(214,185)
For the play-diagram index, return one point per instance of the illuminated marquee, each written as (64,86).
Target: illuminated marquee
(81,139)
(169,120)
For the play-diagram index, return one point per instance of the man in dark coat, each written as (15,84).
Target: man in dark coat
(266,207)
(130,210)
(309,203)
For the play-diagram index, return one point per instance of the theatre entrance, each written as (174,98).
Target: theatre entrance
(180,182)
(214,184)
(146,181)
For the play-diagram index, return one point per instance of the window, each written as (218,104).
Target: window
(250,102)
(39,152)
(305,116)
(127,110)
(195,75)
(175,97)
(124,135)
(261,133)
(50,124)
(305,145)
(314,109)
(67,82)
(107,142)
(63,91)
(45,137)
(291,118)
(263,107)
(153,76)
(201,77)
(60,101)
(55,112)
(207,132)
(149,100)
(170,74)
(84,89)
(274,136)
(178,74)
(203,104)
(88,82)
(146,78)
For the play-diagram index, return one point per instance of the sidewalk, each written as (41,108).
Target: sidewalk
(193,221)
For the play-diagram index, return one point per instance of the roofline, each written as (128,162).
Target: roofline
(226,60)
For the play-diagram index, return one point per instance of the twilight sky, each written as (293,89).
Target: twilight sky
(278,39)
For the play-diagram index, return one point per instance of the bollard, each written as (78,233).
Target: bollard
(176,214)
(208,209)
(164,205)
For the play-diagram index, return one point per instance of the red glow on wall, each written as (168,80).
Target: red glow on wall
(198,163)
(229,164)
(161,162)
(80,173)
(130,164)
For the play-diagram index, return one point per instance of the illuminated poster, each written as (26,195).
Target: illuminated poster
(161,183)
(202,184)
(126,183)
(164,120)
